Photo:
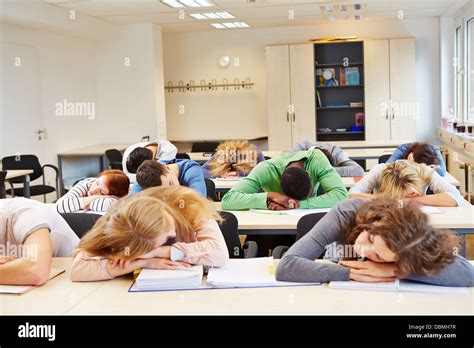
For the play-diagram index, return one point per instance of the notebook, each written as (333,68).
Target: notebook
(21,289)
(247,273)
(428,209)
(398,285)
(158,279)
(290,212)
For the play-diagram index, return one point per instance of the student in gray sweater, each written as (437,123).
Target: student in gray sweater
(339,160)
(392,240)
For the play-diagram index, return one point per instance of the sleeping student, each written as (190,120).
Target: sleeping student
(233,158)
(391,240)
(183,172)
(95,194)
(290,181)
(420,153)
(160,228)
(31,233)
(404,179)
(158,150)
(336,156)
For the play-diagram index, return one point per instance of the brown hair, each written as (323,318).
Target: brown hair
(149,173)
(422,153)
(131,227)
(420,248)
(397,177)
(234,155)
(116,181)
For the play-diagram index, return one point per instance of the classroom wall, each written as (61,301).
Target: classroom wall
(232,114)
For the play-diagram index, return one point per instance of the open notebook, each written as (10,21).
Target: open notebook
(290,212)
(21,289)
(397,285)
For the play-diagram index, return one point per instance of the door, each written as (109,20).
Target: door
(302,92)
(277,62)
(20,100)
(377,90)
(405,108)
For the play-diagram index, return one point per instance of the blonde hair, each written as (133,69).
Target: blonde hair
(234,155)
(397,177)
(131,227)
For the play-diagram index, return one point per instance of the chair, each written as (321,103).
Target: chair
(3,175)
(80,223)
(205,146)
(211,189)
(305,224)
(182,155)
(230,230)
(384,158)
(115,158)
(30,162)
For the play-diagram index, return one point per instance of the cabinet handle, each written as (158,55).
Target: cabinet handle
(287,116)
(294,116)
(393,115)
(386,115)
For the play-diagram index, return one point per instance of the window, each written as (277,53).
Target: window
(457,64)
(469,112)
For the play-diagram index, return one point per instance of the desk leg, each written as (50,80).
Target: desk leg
(26,186)
(61,180)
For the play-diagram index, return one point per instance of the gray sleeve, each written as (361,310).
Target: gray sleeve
(344,165)
(438,184)
(458,273)
(298,263)
(370,181)
(302,145)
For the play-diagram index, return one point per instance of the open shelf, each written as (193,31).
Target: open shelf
(340,86)
(338,107)
(337,64)
(342,133)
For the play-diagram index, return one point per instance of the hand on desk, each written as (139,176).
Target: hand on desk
(281,201)
(370,271)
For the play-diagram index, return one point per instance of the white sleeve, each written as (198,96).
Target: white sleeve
(370,181)
(438,184)
(167,150)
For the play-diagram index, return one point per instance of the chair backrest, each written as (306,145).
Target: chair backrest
(3,174)
(81,223)
(205,146)
(23,162)
(182,155)
(384,158)
(230,230)
(211,189)
(306,223)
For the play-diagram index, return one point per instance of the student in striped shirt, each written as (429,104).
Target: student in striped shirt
(96,194)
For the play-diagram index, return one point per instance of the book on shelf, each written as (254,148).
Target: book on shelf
(318,99)
(352,76)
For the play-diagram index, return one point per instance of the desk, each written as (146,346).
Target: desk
(199,156)
(25,173)
(365,154)
(97,151)
(61,296)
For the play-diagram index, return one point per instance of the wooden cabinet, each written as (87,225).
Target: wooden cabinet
(390,90)
(290,95)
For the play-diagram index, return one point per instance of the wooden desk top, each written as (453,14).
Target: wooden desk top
(61,296)
(96,150)
(199,156)
(16,173)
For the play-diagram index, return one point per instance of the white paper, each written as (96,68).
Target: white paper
(428,209)
(21,289)
(290,212)
(157,279)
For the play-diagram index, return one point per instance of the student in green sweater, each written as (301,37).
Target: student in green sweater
(290,181)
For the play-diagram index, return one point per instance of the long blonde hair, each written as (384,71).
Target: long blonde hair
(397,177)
(131,227)
(234,155)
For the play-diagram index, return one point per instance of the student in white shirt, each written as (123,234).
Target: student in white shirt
(404,179)
(135,155)
(31,233)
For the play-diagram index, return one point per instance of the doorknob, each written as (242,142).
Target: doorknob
(41,134)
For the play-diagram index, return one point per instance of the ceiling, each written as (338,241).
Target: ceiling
(257,13)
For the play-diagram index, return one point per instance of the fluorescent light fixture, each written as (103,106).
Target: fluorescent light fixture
(197,16)
(172,3)
(230,25)
(187,3)
(212,15)
(225,14)
(217,25)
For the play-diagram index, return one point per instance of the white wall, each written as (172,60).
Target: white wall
(233,114)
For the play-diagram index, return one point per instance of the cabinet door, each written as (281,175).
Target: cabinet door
(277,63)
(377,90)
(403,90)
(302,92)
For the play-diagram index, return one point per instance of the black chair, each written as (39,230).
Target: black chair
(267,158)
(211,189)
(205,146)
(230,230)
(30,162)
(384,158)
(115,158)
(305,224)
(182,155)
(81,223)
(3,175)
